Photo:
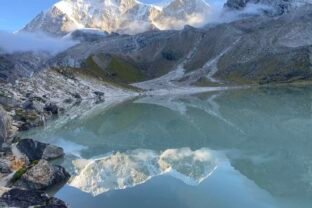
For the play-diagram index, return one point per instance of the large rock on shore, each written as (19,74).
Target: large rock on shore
(35,150)
(29,198)
(42,176)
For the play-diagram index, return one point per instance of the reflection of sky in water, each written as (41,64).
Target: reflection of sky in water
(70,147)
(264,134)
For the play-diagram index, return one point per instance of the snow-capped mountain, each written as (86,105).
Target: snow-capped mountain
(122,16)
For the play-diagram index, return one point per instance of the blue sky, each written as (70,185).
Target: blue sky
(14,14)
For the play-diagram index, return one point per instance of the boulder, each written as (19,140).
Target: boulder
(77,96)
(51,108)
(32,104)
(99,94)
(6,158)
(4,167)
(28,105)
(29,198)
(42,176)
(28,118)
(35,150)
(68,101)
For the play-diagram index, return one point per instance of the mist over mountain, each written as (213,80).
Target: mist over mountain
(25,42)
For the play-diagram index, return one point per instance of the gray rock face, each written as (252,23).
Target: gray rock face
(42,22)
(279,6)
(6,158)
(35,150)
(88,35)
(28,118)
(29,198)
(5,125)
(257,49)
(42,176)
(20,64)
(4,167)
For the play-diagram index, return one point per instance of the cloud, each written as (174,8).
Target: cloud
(220,14)
(217,14)
(250,10)
(37,42)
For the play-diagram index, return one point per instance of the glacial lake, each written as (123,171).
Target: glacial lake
(248,148)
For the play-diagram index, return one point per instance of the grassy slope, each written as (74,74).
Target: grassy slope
(118,72)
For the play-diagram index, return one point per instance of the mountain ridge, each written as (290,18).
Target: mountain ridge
(122,16)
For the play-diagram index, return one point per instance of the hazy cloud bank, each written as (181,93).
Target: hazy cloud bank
(220,14)
(24,42)
(217,14)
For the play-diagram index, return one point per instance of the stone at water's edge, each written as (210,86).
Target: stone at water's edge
(29,198)
(42,176)
(34,150)
(51,108)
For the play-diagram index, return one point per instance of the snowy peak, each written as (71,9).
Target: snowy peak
(187,5)
(123,16)
(179,13)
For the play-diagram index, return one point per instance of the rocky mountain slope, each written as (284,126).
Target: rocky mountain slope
(21,64)
(257,49)
(123,16)
(254,50)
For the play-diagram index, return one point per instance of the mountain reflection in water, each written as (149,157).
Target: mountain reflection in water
(255,146)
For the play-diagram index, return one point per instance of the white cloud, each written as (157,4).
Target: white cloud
(24,42)
(221,15)
(216,15)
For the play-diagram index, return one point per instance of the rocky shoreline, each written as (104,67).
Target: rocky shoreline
(25,168)
(25,171)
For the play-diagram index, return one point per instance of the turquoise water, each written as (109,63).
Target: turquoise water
(242,148)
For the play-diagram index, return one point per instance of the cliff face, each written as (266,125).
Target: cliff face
(5,125)
(274,7)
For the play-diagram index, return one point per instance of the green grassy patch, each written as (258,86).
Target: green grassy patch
(124,71)
(18,174)
(118,72)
